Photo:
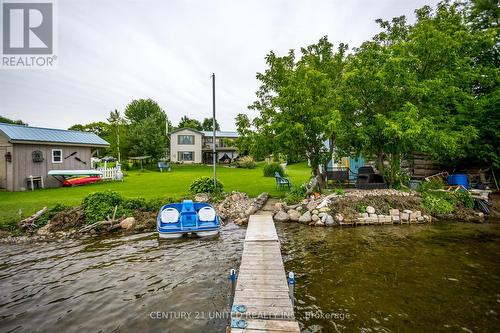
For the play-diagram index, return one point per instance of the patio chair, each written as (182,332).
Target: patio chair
(281,182)
(163,166)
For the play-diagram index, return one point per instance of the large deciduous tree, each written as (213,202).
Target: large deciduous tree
(208,124)
(189,123)
(297,101)
(147,128)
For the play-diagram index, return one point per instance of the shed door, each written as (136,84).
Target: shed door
(3,168)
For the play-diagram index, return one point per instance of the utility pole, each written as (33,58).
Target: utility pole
(213,128)
(167,146)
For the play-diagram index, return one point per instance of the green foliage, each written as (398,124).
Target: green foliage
(246,162)
(146,130)
(438,202)
(464,198)
(295,195)
(208,124)
(190,123)
(205,185)
(10,121)
(271,168)
(339,191)
(100,206)
(433,184)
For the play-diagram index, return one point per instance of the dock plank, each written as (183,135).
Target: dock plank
(262,284)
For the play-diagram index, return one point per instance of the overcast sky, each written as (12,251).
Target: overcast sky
(111,52)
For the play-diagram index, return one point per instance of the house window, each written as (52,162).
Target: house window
(209,139)
(186,156)
(185,139)
(57,156)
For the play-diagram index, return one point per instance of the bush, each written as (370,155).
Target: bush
(296,194)
(205,185)
(100,206)
(438,203)
(464,198)
(246,162)
(271,168)
(434,184)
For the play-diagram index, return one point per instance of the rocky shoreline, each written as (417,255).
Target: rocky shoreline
(352,208)
(360,207)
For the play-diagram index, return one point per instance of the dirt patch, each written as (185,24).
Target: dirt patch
(145,220)
(66,220)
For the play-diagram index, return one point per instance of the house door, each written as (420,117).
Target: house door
(354,164)
(3,168)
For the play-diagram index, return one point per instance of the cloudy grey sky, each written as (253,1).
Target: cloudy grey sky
(111,52)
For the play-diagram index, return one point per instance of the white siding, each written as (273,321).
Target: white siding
(175,147)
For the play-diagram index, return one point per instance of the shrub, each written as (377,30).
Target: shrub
(100,206)
(296,194)
(246,162)
(434,184)
(464,198)
(438,202)
(205,185)
(271,168)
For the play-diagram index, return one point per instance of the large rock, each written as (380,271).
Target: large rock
(128,223)
(202,197)
(305,218)
(279,206)
(370,210)
(293,215)
(319,223)
(315,217)
(311,205)
(281,216)
(328,220)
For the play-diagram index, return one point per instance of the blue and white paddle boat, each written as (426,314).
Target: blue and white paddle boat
(176,219)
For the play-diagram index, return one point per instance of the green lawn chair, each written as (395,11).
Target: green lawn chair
(282,182)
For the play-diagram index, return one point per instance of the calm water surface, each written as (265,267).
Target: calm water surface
(420,278)
(439,278)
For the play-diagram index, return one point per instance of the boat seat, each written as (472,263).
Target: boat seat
(169,215)
(206,214)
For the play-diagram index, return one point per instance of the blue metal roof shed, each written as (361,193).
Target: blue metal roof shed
(26,134)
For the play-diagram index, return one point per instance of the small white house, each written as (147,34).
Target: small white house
(188,145)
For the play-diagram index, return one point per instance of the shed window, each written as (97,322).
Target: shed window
(186,139)
(57,156)
(186,156)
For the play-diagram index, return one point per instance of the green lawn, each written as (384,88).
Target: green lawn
(148,184)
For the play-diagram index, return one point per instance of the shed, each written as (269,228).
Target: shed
(33,151)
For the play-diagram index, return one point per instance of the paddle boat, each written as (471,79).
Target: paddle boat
(177,219)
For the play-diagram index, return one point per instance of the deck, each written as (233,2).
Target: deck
(262,285)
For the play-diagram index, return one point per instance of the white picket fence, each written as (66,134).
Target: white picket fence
(110,173)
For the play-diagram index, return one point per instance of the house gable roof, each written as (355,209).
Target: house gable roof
(21,134)
(185,128)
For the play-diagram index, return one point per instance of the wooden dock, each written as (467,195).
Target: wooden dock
(261,300)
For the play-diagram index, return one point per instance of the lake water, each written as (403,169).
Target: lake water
(439,278)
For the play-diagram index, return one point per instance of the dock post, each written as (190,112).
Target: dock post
(232,286)
(291,286)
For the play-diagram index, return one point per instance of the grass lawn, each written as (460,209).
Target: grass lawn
(148,184)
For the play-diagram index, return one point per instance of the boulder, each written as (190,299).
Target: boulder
(320,215)
(305,218)
(315,211)
(281,216)
(311,205)
(293,215)
(202,197)
(279,206)
(315,217)
(328,220)
(324,209)
(319,223)
(339,217)
(370,210)
(128,223)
